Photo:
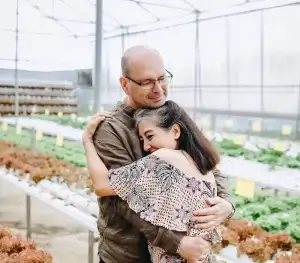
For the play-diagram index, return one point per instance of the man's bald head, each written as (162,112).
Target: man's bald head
(144,78)
(136,55)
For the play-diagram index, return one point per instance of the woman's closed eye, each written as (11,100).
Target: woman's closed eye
(149,137)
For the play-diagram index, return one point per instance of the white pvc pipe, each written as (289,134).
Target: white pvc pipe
(70,197)
(84,219)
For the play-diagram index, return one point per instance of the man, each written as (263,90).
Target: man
(123,234)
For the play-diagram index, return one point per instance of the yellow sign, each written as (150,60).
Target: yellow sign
(4,126)
(73,116)
(245,188)
(228,123)
(286,130)
(256,126)
(60,114)
(59,140)
(279,146)
(47,112)
(239,139)
(19,129)
(38,135)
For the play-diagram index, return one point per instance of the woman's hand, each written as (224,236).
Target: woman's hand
(92,125)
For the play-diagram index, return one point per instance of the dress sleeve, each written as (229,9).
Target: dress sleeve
(128,182)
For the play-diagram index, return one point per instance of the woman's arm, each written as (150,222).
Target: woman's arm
(98,171)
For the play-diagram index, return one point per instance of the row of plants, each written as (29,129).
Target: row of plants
(270,156)
(72,151)
(273,214)
(35,166)
(39,166)
(75,122)
(253,231)
(258,244)
(14,249)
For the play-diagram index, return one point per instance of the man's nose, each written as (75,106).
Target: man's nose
(157,87)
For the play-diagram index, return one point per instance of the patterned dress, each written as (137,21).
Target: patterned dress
(164,196)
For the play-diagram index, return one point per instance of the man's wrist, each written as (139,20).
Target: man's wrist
(178,250)
(169,241)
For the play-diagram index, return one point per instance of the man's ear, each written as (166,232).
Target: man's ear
(124,85)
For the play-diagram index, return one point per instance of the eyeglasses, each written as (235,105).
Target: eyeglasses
(149,84)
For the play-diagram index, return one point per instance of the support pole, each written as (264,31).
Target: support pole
(28,216)
(262,60)
(197,84)
(123,47)
(228,65)
(91,247)
(98,56)
(28,198)
(16,64)
(297,130)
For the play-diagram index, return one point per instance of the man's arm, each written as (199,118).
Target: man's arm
(193,249)
(219,208)
(157,236)
(222,189)
(222,184)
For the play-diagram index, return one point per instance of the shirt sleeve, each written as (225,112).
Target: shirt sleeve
(222,188)
(221,181)
(109,147)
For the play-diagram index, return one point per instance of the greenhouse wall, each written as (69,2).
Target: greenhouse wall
(248,62)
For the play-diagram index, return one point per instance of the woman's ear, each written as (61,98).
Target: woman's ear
(176,131)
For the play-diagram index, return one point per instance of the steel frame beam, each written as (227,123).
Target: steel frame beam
(243,9)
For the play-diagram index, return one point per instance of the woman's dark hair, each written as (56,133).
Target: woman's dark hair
(191,140)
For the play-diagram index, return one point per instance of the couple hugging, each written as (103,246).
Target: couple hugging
(161,196)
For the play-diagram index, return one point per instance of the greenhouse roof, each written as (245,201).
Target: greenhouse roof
(67,27)
(76,18)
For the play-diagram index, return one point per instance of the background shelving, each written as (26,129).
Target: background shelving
(39,98)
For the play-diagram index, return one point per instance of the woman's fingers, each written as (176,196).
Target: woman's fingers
(105,114)
(91,127)
(93,123)
(101,113)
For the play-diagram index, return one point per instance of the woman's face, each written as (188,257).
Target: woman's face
(154,137)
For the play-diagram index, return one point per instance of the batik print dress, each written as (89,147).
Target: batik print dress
(164,196)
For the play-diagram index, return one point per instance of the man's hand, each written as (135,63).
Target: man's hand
(217,212)
(194,249)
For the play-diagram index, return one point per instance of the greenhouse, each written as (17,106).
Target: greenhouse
(235,69)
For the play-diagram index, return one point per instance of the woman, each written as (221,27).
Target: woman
(167,185)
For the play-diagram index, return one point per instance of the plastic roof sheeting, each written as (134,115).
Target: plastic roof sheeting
(77,17)
(59,34)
